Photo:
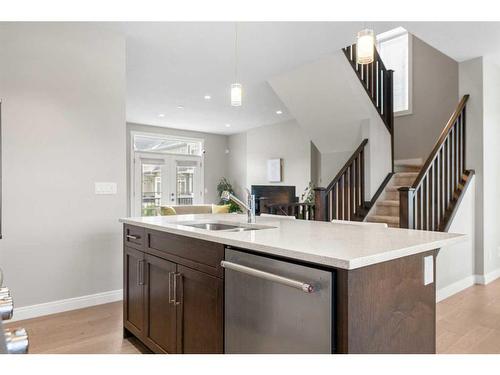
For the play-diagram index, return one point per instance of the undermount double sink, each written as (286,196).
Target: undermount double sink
(218,226)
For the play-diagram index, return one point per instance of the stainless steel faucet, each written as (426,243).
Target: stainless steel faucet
(249,207)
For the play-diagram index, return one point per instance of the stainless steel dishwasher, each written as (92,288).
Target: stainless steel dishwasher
(274,306)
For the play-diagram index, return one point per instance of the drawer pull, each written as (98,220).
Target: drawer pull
(131,237)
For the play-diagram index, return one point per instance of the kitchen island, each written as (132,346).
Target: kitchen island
(379,296)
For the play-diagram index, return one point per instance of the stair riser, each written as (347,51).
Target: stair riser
(391,195)
(404,181)
(407,168)
(387,210)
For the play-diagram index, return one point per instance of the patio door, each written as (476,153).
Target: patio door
(163,180)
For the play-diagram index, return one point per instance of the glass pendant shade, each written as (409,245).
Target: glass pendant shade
(236,94)
(365,46)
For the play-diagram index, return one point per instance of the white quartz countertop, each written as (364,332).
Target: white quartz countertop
(338,245)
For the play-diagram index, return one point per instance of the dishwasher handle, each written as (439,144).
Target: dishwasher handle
(305,287)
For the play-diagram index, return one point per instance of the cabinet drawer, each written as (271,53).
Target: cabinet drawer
(197,254)
(133,236)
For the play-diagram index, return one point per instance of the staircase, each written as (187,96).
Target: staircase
(386,208)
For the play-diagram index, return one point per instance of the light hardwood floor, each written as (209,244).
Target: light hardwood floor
(468,322)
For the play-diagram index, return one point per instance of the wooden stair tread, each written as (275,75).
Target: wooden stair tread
(388,202)
(406,174)
(393,188)
(383,219)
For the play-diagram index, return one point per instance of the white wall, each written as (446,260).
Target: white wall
(471,82)
(249,152)
(491,160)
(215,156)
(237,162)
(434,91)
(455,264)
(378,158)
(63,120)
(330,165)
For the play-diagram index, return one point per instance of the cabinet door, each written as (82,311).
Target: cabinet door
(200,313)
(133,291)
(160,332)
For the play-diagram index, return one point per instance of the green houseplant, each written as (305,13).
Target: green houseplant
(225,185)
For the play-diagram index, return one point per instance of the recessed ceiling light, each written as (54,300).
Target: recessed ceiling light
(161,115)
(279,112)
(228,125)
(180,107)
(207,97)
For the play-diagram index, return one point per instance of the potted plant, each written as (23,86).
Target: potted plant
(225,185)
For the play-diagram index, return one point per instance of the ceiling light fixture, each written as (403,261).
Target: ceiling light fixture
(161,115)
(279,112)
(180,107)
(228,125)
(236,91)
(207,97)
(365,46)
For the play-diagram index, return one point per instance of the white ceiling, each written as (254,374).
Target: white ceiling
(175,63)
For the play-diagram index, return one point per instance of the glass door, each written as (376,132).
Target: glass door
(187,190)
(164,181)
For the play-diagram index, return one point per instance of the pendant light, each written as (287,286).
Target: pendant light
(365,46)
(236,92)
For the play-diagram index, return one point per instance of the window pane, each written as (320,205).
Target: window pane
(185,185)
(394,54)
(151,189)
(166,145)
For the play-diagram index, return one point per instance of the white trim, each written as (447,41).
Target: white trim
(488,278)
(465,283)
(448,291)
(53,307)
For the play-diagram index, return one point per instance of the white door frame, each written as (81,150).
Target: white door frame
(169,159)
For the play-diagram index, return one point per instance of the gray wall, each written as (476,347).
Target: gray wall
(249,152)
(215,156)
(63,92)
(491,157)
(237,162)
(435,90)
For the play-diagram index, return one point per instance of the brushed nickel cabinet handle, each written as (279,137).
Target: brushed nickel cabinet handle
(170,299)
(140,272)
(175,287)
(131,237)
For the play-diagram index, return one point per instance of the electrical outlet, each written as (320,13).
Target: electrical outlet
(428,270)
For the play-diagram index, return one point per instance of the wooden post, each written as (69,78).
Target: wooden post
(406,214)
(389,109)
(320,204)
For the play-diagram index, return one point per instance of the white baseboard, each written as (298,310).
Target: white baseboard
(448,291)
(34,311)
(488,278)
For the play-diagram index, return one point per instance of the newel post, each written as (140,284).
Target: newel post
(320,206)
(406,214)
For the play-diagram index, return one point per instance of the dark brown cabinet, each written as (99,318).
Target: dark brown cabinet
(173,300)
(160,330)
(202,315)
(133,291)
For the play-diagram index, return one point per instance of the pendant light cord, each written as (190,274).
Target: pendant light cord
(236,52)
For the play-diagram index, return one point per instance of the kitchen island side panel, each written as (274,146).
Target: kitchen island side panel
(386,308)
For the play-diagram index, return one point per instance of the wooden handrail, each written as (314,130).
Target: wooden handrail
(440,141)
(430,202)
(343,198)
(354,155)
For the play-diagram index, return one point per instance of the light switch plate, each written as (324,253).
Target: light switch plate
(428,270)
(108,188)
